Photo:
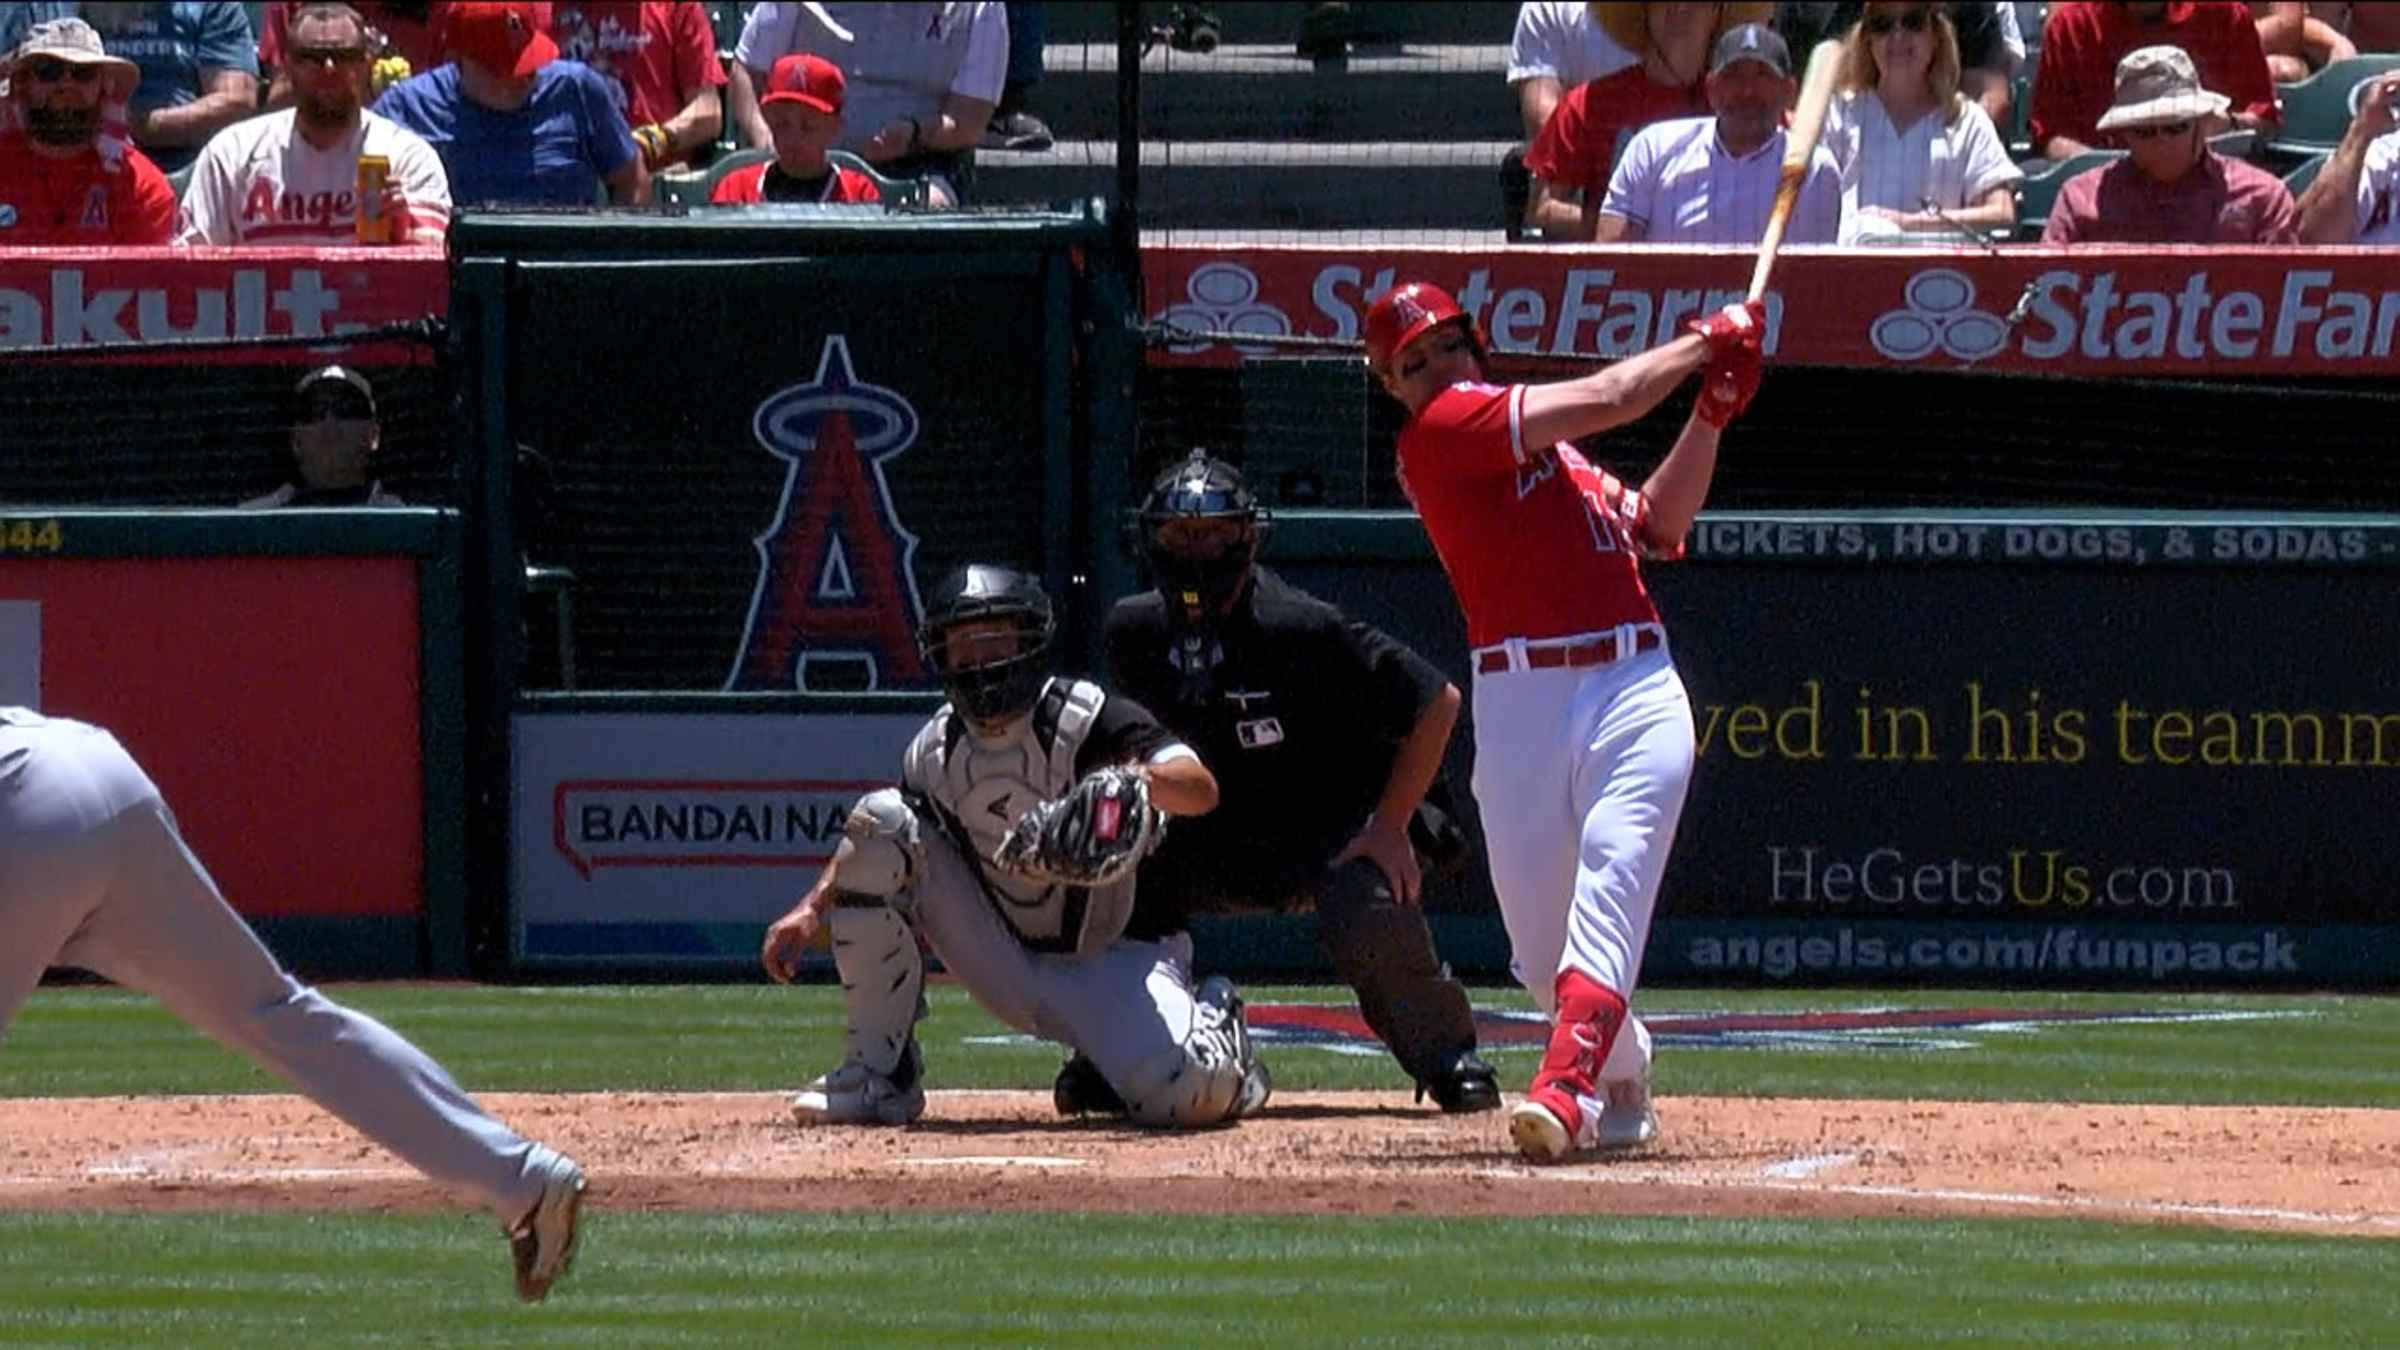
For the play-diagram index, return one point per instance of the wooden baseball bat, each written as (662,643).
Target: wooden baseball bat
(1800,144)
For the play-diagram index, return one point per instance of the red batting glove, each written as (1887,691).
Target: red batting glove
(1742,325)
(1728,385)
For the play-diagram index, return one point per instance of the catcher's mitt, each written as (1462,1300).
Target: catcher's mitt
(1093,835)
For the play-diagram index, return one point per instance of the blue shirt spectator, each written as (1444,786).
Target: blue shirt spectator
(198,61)
(514,125)
(554,151)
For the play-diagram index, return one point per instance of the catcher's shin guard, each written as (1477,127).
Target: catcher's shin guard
(1214,1077)
(880,1080)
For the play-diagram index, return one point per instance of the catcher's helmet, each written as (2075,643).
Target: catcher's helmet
(989,690)
(1407,312)
(1201,529)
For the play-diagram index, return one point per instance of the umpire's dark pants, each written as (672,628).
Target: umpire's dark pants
(1384,950)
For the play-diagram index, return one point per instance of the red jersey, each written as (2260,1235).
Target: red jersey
(659,55)
(747,187)
(2082,43)
(56,203)
(1538,541)
(1579,145)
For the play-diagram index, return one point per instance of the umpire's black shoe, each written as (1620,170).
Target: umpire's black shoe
(1082,1091)
(1468,1085)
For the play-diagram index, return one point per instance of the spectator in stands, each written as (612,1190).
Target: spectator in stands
(2370,27)
(335,434)
(1985,62)
(2083,42)
(1711,180)
(661,61)
(197,58)
(67,174)
(515,125)
(803,108)
(291,177)
(1013,127)
(923,79)
(1577,149)
(403,36)
(2170,188)
(1906,138)
(1557,46)
(2356,195)
(2296,44)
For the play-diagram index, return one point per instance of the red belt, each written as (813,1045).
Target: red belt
(1598,651)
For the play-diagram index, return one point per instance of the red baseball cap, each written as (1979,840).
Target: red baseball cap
(509,39)
(810,81)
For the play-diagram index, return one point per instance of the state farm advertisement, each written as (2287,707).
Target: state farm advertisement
(2090,311)
(662,837)
(98,297)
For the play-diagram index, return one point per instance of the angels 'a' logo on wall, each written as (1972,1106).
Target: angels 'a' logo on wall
(836,605)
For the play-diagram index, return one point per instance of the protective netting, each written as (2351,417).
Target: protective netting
(210,424)
(1312,429)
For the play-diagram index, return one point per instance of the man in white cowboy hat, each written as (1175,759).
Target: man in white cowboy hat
(2170,188)
(68,172)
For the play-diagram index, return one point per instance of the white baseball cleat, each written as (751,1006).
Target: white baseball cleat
(857,1095)
(1538,1133)
(1627,1119)
(542,1244)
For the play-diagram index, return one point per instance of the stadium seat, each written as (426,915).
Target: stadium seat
(2039,190)
(684,188)
(2317,110)
(722,169)
(2299,179)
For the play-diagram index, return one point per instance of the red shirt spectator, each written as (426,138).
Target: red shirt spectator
(2083,41)
(2170,188)
(1580,143)
(769,183)
(64,178)
(801,101)
(662,57)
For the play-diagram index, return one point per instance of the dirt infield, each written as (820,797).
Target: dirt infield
(2315,1170)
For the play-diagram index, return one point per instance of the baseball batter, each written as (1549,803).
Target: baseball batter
(1583,734)
(1045,957)
(93,874)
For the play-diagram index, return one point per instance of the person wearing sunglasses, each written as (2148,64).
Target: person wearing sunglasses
(2170,188)
(197,64)
(65,179)
(1916,155)
(1989,47)
(335,433)
(291,177)
(2083,42)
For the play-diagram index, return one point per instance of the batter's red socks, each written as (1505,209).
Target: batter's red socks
(1589,1016)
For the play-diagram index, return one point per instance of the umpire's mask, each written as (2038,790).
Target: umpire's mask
(1201,530)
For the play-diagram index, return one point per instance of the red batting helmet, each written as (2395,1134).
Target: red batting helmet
(1407,312)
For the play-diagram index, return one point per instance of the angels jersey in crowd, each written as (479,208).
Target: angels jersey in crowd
(259,182)
(1538,541)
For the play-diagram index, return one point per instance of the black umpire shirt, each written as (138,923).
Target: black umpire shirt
(1299,721)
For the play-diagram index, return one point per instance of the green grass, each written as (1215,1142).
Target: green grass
(2316,1050)
(1093,1280)
(322,1279)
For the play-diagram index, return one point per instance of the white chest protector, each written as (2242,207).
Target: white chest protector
(979,787)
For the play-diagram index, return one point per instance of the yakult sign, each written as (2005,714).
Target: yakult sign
(92,297)
(2081,311)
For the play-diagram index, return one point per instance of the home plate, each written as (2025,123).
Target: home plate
(974,1160)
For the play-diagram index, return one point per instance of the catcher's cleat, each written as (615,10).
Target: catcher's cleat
(1468,1085)
(1257,1086)
(1081,1090)
(857,1095)
(1627,1119)
(542,1244)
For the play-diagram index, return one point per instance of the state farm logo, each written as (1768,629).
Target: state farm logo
(1223,297)
(1941,316)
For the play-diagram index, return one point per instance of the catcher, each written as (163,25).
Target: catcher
(1023,808)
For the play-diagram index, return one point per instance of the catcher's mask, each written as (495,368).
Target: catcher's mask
(986,636)
(1201,529)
